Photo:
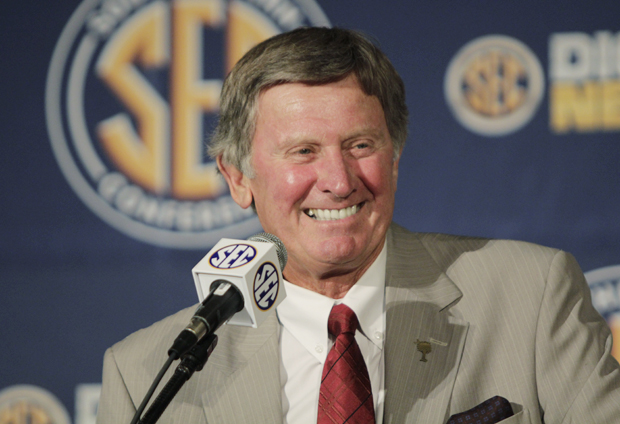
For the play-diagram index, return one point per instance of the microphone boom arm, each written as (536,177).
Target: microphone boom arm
(194,360)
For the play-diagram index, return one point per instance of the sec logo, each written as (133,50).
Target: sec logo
(31,404)
(605,287)
(494,85)
(266,286)
(232,256)
(132,89)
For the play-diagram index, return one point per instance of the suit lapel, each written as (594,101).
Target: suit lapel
(418,300)
(243,377)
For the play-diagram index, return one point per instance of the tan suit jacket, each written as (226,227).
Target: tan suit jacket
(502,317)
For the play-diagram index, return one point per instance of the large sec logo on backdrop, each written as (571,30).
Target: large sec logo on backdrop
(131,92)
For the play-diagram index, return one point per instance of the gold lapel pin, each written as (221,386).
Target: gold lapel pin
(424,348)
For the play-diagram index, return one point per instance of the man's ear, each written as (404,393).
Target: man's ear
(238,183)
(395,169)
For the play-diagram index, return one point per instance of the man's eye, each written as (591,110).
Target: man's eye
(361,146)
(304,151)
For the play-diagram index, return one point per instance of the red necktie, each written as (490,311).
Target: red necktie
(345,395)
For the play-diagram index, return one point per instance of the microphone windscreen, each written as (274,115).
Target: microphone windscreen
(280,249)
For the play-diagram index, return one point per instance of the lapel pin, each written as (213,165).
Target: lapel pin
(424,348)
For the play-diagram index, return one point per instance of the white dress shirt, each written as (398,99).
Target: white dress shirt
(305,342)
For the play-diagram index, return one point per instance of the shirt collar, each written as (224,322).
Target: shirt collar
(304,313)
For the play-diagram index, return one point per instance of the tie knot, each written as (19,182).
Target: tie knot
(342,320)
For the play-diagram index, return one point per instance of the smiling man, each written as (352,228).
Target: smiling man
(380,324)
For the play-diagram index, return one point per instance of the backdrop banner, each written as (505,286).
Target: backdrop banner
(109,200)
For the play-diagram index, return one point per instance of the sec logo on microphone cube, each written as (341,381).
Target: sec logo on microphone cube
(266,286)
(232,256)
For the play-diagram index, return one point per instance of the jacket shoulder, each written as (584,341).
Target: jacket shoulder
(149,346)
(449,250)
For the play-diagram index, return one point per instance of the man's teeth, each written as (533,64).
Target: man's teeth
(332,214)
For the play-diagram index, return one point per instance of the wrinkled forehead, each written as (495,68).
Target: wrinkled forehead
(302,94)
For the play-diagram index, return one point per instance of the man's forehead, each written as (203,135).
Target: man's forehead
(284,88)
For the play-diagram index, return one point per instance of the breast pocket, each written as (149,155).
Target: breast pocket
(521,417)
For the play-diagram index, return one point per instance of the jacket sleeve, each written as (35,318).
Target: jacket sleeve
(578,379)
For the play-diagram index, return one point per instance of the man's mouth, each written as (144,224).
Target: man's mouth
(333,214)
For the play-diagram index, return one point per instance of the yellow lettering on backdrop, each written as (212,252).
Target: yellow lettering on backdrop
(493,84)
(144,157)
(191,97)
(246,28)
(575,106)
(166,154)
(614,325)
(611,107)
(513,72)
(24,413)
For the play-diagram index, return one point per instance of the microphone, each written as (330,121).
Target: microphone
(243,282)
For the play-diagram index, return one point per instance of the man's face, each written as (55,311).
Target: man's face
(325,176)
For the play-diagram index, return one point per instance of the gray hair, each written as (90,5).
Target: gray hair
(313,56)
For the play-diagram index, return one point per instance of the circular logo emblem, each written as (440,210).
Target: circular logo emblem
(266,286)
(132,91)
(494,85)
(31,404)
(232,256)
(605,287)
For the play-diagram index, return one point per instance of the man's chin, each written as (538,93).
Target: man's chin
(339,252)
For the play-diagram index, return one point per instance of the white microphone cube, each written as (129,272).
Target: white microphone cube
(253,267)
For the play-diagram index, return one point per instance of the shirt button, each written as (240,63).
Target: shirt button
(318,348)
(378,335)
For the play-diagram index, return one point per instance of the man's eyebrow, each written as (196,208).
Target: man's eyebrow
(377,133)
(300,139)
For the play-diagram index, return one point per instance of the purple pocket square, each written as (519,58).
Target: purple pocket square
(490,411)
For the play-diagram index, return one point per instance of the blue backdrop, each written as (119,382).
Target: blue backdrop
(514,133)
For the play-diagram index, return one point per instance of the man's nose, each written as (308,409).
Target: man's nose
(336,175)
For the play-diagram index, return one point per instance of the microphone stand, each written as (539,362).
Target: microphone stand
(194,360)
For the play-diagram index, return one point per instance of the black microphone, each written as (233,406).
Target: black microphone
(242,275)
(223,302)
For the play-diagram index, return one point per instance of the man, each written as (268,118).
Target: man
(312,126)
